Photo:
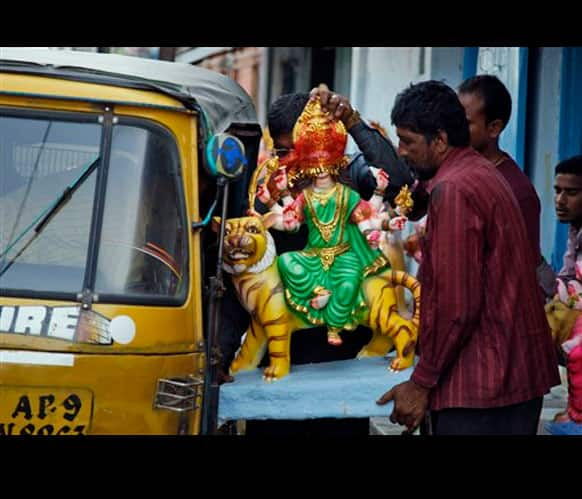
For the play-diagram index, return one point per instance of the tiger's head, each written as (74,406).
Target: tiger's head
(248,246)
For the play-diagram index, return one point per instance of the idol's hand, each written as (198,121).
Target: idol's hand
(281,179)
(382,178)
(397,223)
(290,219)
(263,194)
(374,238)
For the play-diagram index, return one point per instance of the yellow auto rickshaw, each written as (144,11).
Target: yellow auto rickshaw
(110,166)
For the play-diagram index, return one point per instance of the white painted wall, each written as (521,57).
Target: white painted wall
(380,73)
(447,65)
(503,62)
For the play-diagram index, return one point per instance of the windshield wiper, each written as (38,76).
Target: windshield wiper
(47,215)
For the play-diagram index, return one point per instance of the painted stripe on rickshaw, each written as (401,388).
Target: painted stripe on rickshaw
(36,358)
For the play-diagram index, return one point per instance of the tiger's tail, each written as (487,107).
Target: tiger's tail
(401,278)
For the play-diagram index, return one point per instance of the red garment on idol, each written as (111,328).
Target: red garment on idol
(574,366)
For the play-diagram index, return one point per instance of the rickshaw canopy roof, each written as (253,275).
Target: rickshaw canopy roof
(221,99)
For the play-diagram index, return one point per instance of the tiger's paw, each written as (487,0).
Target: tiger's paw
(275,371)
(400,363)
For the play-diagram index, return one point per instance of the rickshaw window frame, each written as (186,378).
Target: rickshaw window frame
(135,299)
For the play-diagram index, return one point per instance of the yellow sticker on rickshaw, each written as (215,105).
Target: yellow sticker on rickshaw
(45,411)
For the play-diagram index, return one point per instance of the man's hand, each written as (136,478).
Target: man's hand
(338,105)
(410,404)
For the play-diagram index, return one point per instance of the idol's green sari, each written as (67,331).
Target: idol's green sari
(337,257)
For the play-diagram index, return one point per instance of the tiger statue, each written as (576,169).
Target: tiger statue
(250,257)
(561,319)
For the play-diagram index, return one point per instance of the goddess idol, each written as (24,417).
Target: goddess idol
(323,282)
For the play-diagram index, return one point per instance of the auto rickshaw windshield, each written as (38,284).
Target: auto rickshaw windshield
(142,239)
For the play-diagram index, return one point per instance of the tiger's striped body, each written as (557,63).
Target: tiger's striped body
(250,257)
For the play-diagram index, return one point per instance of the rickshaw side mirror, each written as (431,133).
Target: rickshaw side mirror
(226,161)
(225,156)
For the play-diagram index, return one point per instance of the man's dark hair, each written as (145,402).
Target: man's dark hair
(496,98)
(431,106)
(571,165)
(284,112)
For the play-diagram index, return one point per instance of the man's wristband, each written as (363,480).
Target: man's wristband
(354,119)
(379,192)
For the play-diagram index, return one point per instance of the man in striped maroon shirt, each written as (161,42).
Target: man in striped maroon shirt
(487,106)
(485,352)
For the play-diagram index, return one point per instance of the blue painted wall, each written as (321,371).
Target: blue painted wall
(470,55)
(570,141)
(543,135)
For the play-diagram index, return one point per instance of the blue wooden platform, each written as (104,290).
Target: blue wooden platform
(340,389)
(567,428)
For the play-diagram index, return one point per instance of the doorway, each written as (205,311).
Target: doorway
(323,66)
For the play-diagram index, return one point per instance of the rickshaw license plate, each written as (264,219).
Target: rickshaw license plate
(44,411)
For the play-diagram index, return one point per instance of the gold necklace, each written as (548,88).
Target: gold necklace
(325,196)
(499,160)
(325,229)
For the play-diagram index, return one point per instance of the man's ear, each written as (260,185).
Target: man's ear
(441,141)
(216,224)
(495,127)
(269,219)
